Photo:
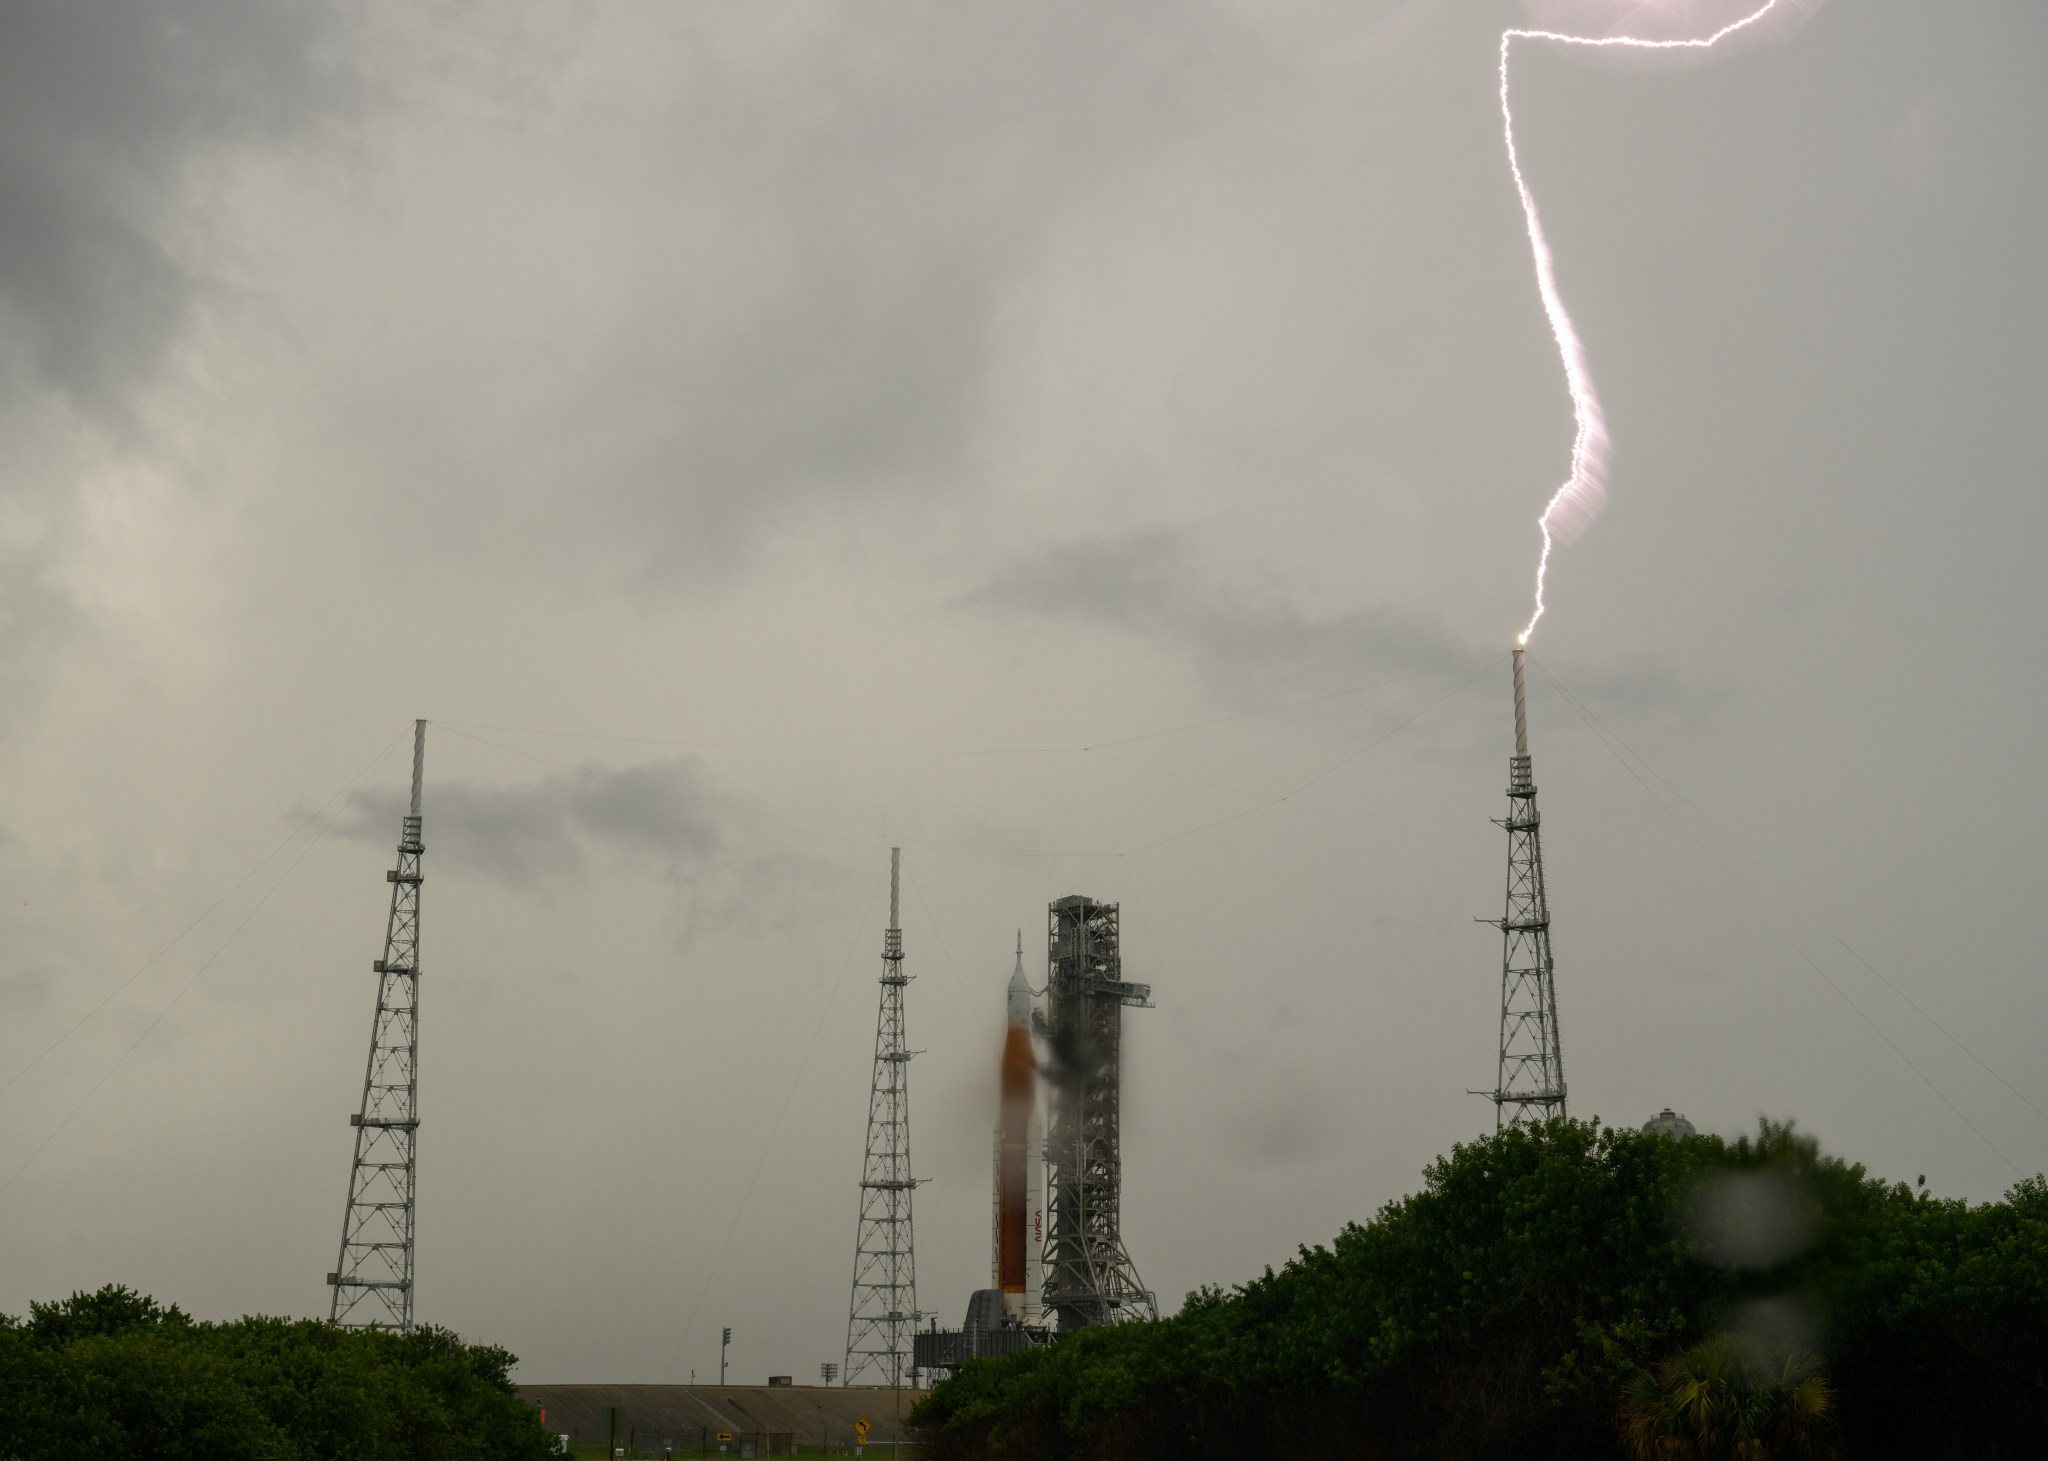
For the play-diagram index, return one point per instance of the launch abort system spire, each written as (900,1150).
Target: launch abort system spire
(1529,1086)
(373,1282)
(1089,1276)
(883,1314)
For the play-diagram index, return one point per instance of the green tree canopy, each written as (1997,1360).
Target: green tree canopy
(114,1374)
(1508,1307)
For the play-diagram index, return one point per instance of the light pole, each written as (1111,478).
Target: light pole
(828,1372)
(723,1344)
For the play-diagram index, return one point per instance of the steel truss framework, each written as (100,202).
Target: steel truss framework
(1529,1085)
(883,1313)
(1089,1276)
(373,1281)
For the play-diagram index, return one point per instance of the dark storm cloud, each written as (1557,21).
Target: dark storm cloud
(832,224)
(526,836)
(105,109)
(892,205)
(768,894)
(1247,639)
(329,394)
(102,107)
(841,385)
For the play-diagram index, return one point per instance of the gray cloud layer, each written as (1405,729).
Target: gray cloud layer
(1255,642)
(544,835)
(110,115)
(870,402)
(104,109)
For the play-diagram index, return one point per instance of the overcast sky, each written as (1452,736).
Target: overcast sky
(871,405)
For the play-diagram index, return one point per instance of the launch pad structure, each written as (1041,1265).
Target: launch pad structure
(1086,1271)
(1089,1276)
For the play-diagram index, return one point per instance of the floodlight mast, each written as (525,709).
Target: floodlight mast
(373,1280)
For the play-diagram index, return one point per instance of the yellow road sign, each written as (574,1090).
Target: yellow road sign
(860,1428)
(722,1437)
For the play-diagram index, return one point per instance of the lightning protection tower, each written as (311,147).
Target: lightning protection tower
(883,1314)
(1529,1086)
(1089,1276)
(372,1283)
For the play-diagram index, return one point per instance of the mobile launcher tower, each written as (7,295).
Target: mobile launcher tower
(1089,1276)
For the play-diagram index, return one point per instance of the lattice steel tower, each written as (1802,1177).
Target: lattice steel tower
(883,1314)
(372,1283)
(1089,1276)
(1530,1084)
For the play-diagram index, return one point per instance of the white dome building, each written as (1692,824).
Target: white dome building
(1669,1123)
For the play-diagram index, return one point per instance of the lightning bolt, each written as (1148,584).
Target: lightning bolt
(1582,494)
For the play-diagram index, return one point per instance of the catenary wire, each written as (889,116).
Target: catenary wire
(1053,855)
(865,839)
(186,987)
(959,850)
(941,1188)
(1262,796)
(930,918)
(717,745)
(1345,878)
(1782,931)
(1797,902)
(212,908)
(704,1289)
(1332,768)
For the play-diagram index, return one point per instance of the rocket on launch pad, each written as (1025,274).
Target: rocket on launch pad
(1004,1318)
(1019,1206)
